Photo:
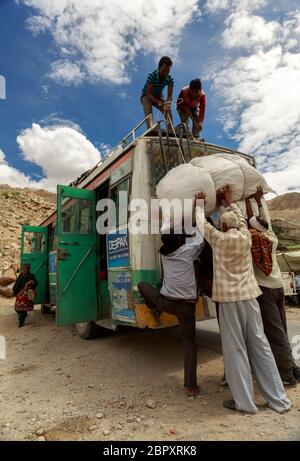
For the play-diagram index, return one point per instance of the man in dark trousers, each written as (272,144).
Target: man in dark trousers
(178,295)
(272,300)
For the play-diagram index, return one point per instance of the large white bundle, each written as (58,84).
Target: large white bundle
(252,177)
(208,174)
(234,170)
(183,182)
(223,172)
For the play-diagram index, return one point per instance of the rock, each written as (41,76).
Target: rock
(39,431)
(10,273)
(131,419)
(148,423)
(99,415)
(173,431)
(151,404)
(7,292)
(4,281)
(93,428)
(40,439)
(106,432)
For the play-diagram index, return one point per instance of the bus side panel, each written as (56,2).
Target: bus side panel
(145,248)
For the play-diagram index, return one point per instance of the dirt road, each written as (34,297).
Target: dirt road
(124,386)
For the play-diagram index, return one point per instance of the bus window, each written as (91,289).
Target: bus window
(85,217)
(52,238)
(34,242)
(69,218)
(77,218)
(121,201)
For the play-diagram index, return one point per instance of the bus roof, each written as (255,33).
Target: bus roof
(128,142)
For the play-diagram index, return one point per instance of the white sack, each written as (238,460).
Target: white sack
(223,172)
(183,182)
(252,177)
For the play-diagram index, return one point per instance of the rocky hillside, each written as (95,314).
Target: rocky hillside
(285,214)
(287,207)
(17,207)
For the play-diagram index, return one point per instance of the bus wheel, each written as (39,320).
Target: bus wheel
(89,330)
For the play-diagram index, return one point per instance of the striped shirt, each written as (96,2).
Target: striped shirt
(158,84)
(234,278)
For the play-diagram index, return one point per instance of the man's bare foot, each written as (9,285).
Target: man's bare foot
(193,392)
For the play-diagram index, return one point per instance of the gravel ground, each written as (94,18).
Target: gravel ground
(124,386)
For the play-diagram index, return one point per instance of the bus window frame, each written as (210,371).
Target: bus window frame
(74,202)
(128,177)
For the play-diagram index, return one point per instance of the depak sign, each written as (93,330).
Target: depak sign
(118,250)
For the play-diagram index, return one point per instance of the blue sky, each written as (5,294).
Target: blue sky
(65,91)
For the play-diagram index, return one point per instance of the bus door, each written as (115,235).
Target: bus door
(34,251)
(77,297)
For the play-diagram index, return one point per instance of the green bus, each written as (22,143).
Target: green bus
(90,278)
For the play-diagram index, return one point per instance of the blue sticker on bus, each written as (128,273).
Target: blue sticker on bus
(120,291)
(118,250)
(52,262)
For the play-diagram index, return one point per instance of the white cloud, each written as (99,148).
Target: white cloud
(259,93)
(250,31)
(10,175)
(215,6)
(55,120)
(286,176)
(66,72)
(103,37)
(62,152)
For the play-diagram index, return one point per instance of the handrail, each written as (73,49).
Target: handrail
(122,144)
(132,133)
(162,147)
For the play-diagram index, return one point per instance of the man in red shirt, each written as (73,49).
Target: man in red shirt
(191,103)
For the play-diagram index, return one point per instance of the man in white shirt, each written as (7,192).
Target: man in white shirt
(272,300)
(235,289)
(179,294)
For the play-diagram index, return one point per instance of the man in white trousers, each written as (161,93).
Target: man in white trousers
(235,288)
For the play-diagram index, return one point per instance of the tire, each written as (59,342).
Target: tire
(89,330)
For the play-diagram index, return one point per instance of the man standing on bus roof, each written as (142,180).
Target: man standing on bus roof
(191,103)
(152,93)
